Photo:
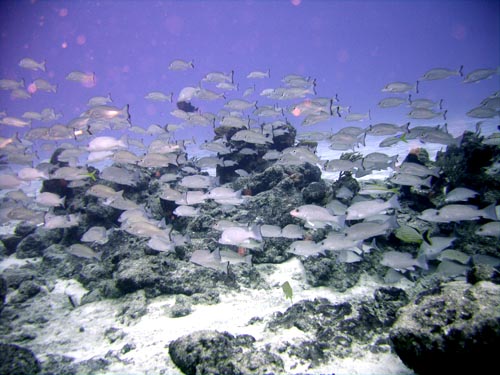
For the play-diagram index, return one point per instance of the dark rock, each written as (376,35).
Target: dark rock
(59,364)
(3,292)
(328,271)
(17,360)
(14,277)
(10,242)
(464,164)
(3,251)
(133,308)
(34,244)
(24,228)
(315,192)
(157,276)
(26,290)
(483,272)
(311,316)
(113,334)
(286,177)
(212,352)
(457,331)
(182,307)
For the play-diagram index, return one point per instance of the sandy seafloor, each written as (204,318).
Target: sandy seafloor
(152,332)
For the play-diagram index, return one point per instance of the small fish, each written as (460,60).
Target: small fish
(454,255)
(483,112)
(292,231)
(441,73)
(317,216)
(186,211)
(364,209)
(247,237)
(44,85)
(197,182)
(425,103)
(8,181)
(419,170)
(491,229)
(208,259)
(107,144)
(400,87)
(10,84)
(99,100)
(251,136)
(387,129)
(480,75)
(458,212)
(460,194)
(305,248)
(61,221)
(158,96)
(50,199)
(161,243)
(408,234)
(87,79)
(28,63)
(402,261)
(82,251)
(365,230)
(287,291)
(96,235)
(434,246)
(31,174)
(259,74)
(357,116)
(411,180)
(391,102)
(14,121)
(217,77)
(180,65)
(426,114)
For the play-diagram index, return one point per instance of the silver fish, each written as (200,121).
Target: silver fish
(402,261)
(480,74)
(208,259)
(28,63)
(460,194)
(179,64)
(441,73)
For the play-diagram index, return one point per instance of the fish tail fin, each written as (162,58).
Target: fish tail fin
(123,141)
(490,212)
(363,139)
(92,175)
(444,114)
(427,182)
(394,203)
(460,71)
(405,128)
(416,87)
(403,137)
(441,104)
(369,115)
(422,262)
(341,220)
(478,127)
(43,65)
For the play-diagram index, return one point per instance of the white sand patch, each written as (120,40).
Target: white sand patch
(80,333)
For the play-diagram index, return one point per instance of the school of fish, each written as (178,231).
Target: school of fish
(105,133)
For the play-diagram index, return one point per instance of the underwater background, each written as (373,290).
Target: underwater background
(285,186)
